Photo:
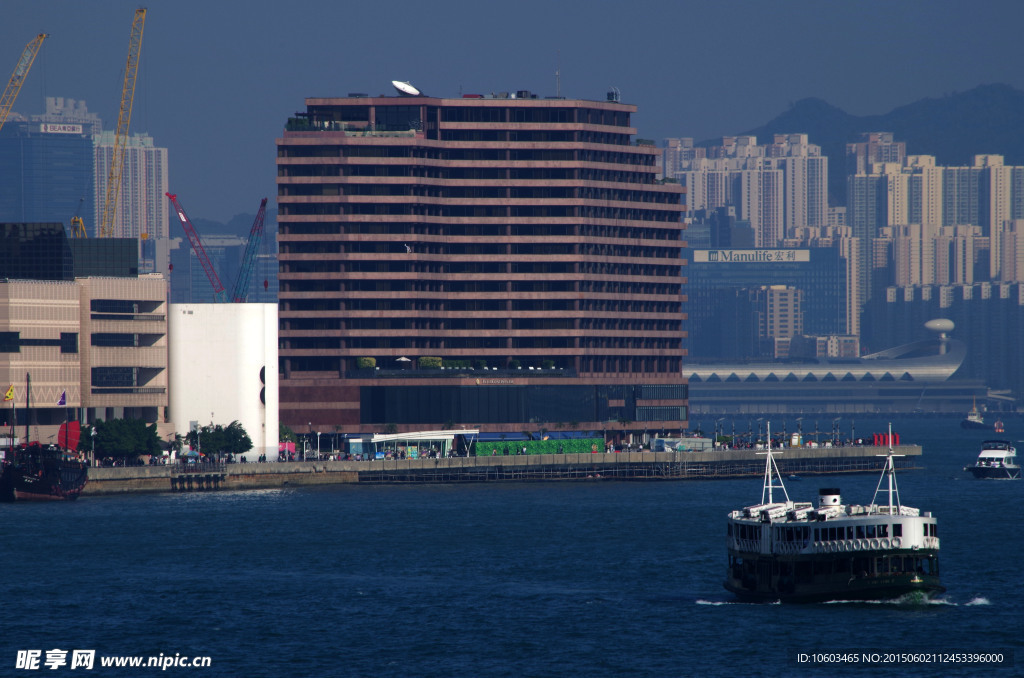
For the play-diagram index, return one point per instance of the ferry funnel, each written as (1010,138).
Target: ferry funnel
(828,496)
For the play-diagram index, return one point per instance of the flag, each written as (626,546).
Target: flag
(10,393)
(63,399)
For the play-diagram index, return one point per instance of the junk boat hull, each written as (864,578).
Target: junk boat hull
(38,476)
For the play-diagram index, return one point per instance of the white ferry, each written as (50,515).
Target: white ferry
(997,460)
(797,552)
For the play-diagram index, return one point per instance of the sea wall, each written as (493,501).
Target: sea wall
(623,466)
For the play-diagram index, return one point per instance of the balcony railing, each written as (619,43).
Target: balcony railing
(481,373)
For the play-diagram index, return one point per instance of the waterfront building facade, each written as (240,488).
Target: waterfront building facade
(222,367)
(99,338)
(502,262)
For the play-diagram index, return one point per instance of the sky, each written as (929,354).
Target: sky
(218,79)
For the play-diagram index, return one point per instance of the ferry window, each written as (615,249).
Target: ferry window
(871,531)
(897,529)
(849,532)
(860,532)
(935,529)
(883,531)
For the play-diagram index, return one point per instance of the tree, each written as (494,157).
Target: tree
(236,440)
(216,440)
(124,438)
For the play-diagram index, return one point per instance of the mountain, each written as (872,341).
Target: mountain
(953,128)
(239,225)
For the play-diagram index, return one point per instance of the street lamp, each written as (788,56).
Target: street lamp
(93,434)
(318,445)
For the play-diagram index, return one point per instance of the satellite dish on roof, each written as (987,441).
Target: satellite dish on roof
(406,89)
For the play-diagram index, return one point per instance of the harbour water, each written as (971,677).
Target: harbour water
(588,578)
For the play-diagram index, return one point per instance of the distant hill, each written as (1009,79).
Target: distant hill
(954,128)
(239,225)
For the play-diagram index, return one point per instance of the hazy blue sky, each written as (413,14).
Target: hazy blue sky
(219,78)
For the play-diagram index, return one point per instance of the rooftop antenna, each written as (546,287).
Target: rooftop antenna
(558,75)
(614,94)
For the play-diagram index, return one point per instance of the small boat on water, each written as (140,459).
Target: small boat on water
(797,552)
(974,419)
(997,460)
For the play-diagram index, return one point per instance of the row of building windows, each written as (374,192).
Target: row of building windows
(455,230)
(13,342)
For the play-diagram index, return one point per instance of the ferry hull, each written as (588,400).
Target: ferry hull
(762,583)
(889,588)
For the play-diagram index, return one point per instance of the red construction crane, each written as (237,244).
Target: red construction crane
(241,291)
(197,246)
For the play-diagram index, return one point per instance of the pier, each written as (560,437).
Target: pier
(638,466)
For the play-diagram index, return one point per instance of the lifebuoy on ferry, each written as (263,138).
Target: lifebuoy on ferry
(885,543)
(874,543)
(896,542)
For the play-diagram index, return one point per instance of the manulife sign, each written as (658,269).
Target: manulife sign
(750,256)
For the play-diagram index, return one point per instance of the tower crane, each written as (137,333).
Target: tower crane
(241,291)
(77,226)
(28,55)
(197,247)
(124,117)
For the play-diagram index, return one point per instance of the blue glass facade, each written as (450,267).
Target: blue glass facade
(48,176)
(713,286)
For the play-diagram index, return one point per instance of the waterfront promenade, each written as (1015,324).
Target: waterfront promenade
(541,467)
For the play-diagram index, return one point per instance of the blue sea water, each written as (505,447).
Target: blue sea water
(589,578)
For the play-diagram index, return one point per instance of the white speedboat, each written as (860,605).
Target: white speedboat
(997,460)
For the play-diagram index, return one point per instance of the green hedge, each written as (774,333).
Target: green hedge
(567,446)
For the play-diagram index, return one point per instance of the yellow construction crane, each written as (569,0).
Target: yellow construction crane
(18,77)
(77,225)
(106,225)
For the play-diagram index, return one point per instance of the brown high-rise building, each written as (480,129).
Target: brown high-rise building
(503,262)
